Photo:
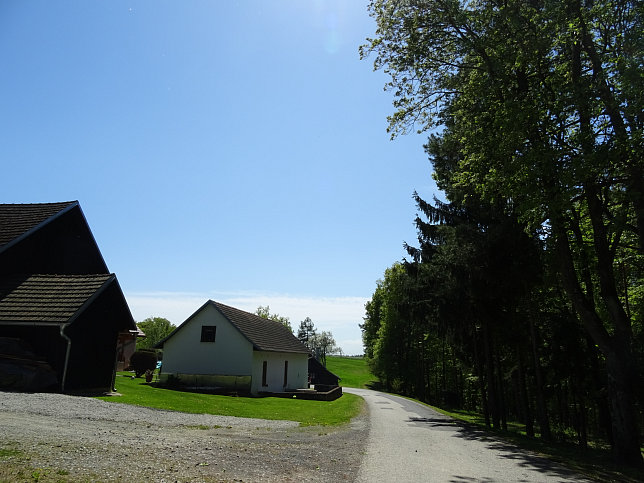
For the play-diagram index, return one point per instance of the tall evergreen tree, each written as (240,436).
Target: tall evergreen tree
(544,102)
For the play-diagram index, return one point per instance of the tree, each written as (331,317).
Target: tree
(142,361)
(320,344)
(543,102)
(155,329)
(323,344)
(265,313)
(306,331)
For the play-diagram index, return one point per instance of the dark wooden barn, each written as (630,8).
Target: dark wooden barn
(61,311)
(320,375)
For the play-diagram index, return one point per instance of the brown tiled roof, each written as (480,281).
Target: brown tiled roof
(47,298)
(264,334)
(17,220)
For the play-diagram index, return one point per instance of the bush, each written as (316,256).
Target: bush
(142,361)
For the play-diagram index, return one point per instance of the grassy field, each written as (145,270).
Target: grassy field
(307,413)
(353,371)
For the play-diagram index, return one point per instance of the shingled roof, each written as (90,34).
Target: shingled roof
(17,220)
(264,334)
(51,299)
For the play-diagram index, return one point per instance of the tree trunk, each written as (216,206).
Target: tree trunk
(616,350)
(626,445)
(493,400)
(542,413)
(500,391)
(525,409)
(481,378)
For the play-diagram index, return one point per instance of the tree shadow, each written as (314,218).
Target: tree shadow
(506,450)
(375,386)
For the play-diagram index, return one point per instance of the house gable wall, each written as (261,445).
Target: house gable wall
(229,355)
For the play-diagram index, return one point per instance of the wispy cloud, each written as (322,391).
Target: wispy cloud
(340,315)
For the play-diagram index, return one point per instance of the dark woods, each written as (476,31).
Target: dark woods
(476,319)
(524,298)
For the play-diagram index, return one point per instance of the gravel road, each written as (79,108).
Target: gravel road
(411,442)
(55,437)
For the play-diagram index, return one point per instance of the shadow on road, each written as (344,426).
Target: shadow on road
(527,460)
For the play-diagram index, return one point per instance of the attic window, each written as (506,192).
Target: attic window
(208,333)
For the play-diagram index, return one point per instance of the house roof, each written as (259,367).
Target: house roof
(51,299)
(17,220)
(264,334)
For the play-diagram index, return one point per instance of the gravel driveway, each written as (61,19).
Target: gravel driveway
(55,437)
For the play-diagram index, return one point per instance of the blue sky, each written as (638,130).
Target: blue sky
(229,150)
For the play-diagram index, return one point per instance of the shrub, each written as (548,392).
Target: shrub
(142,361)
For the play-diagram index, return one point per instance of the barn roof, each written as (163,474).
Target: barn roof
(51,299)
(18,220)
(264,334)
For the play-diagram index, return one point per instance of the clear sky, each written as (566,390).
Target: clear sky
(232,150)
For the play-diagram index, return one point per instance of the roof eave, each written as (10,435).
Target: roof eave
(91,299)
(257,348)
(31,323)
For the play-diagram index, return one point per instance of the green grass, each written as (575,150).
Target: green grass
(307,413)
(8,452)
(353,371)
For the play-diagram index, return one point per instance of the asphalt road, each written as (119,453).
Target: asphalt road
(411,442)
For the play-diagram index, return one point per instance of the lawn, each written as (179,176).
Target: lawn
(353,371)
(308,413)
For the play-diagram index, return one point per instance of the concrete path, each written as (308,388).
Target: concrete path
(410,442)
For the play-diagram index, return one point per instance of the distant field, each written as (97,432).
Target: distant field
(353,371)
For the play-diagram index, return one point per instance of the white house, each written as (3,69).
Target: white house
(221,346)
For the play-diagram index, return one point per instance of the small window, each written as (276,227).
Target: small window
(208,333)
(264,368)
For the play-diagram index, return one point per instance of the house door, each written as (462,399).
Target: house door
(285,373)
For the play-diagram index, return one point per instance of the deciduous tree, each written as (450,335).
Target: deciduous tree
(544,102)
(155,329)
(265,313)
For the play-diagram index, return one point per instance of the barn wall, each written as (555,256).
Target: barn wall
(47,345)
(94,337)
(64,246)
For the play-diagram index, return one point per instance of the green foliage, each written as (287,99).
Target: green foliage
(306,331)
(319,343)
(323,344)
(143,360)
(155,330)
(264,312)
(307,413)
(539,107)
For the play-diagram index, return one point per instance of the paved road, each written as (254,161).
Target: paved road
(411,442)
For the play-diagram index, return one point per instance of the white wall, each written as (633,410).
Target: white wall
(231,353)
(298,371)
